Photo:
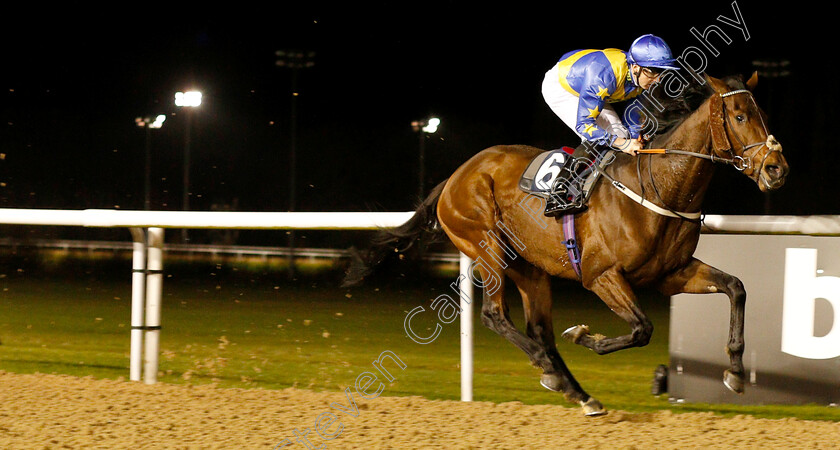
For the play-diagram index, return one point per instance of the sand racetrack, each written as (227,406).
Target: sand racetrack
(55,411)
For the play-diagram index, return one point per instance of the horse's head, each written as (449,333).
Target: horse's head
(739,132)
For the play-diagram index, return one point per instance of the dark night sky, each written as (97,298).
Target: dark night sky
(74,80)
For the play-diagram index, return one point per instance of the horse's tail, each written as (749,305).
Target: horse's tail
(423,227)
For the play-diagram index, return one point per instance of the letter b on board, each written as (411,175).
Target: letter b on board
(802,288)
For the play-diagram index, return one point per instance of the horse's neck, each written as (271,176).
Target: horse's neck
(682,181)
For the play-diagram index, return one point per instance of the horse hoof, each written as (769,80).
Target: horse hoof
(574,333)
(733,381)
(551,382)
(592,408)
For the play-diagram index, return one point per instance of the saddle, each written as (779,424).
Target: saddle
(566,175)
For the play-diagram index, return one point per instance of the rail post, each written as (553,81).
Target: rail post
(138,301)
(466,287)
(154,289)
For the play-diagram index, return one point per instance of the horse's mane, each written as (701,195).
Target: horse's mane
(670,111)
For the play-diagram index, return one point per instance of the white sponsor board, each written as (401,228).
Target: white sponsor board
(792,328)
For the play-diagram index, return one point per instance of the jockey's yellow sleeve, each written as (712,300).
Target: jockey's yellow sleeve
(598,77)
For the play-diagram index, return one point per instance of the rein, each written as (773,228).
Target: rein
(740,163)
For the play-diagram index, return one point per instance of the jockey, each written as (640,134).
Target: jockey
(581,86)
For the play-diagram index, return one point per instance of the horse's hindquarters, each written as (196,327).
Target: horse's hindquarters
(482,203)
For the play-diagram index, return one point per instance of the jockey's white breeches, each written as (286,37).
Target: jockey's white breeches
(565,106)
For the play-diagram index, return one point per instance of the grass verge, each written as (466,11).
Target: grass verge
(241,329)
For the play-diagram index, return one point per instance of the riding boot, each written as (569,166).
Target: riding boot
(567,196)
(561,202)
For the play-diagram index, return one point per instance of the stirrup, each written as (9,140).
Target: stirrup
(565,197)
(554,208)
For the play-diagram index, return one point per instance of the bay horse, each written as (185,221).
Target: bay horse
(623,245)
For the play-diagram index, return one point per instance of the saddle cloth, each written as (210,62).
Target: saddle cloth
(541,173)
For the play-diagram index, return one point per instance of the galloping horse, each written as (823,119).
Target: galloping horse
(623,245)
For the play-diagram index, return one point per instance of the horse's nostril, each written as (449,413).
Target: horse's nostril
(773,171)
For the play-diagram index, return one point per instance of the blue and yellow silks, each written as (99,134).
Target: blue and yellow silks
(599,77)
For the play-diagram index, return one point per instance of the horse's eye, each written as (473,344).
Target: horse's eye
(740,118)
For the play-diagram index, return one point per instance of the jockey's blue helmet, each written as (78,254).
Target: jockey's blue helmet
(651,51)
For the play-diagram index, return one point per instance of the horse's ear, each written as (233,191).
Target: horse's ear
(752,81)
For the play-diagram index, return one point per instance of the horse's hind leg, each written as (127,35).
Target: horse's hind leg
(535,287)
(468,225)
(618,295)
(700,278)
(495,314)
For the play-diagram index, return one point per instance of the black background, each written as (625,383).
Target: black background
(74,79)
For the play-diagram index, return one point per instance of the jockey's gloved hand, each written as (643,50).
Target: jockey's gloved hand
(629,146)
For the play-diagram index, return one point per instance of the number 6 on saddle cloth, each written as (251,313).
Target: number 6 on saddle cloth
(564,175)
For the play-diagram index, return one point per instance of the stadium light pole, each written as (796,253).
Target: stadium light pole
(294,60)
(422,128)
(188,101)
(149,125)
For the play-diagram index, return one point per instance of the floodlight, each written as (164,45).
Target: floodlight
(158,121)
(189,98)
(432,125)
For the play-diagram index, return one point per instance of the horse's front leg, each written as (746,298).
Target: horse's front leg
(616,292)
(700,278)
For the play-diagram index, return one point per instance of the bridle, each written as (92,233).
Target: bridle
(748,151)
(720,144)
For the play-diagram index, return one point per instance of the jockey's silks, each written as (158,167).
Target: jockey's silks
(598,77)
